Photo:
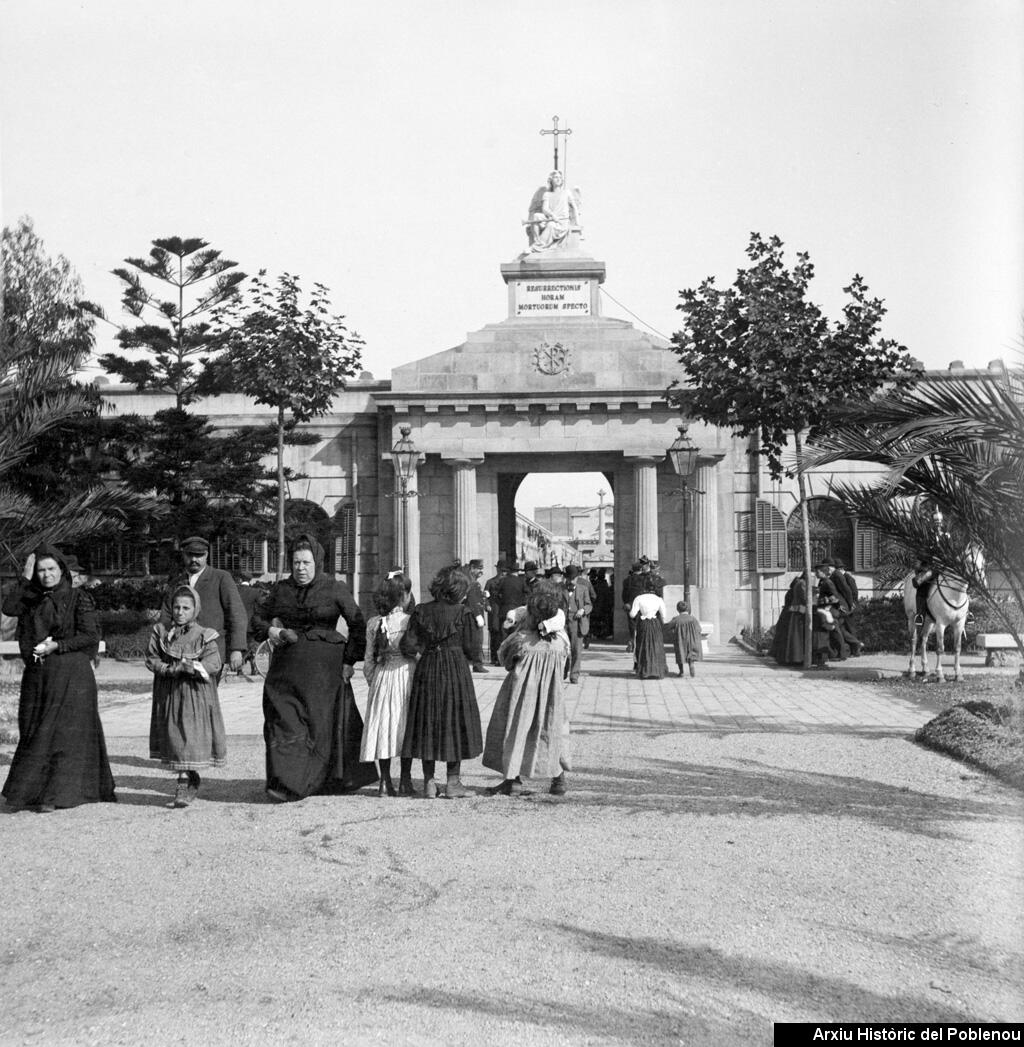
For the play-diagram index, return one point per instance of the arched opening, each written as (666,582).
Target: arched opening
(831,533)
(563,518)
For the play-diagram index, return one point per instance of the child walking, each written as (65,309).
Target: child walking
(686,638)
(389,674)
(186,731)
(529,730)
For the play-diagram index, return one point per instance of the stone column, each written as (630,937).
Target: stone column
(645,487)
(705,517)
(467,533)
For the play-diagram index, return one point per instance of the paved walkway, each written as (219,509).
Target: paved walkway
(733,691)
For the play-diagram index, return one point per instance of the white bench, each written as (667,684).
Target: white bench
(995,646)
(10,647)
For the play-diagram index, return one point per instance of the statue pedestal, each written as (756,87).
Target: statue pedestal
(554,285)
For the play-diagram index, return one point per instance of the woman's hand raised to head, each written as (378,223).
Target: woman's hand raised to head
(30,566)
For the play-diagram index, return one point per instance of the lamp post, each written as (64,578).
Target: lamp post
(404,457)
(683,456)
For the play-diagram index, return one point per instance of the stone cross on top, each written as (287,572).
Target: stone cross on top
(556,132)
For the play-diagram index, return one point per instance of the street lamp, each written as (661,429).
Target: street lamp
(683,456)
(404,457)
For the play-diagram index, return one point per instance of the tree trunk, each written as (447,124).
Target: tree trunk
(280,493)
(802,487)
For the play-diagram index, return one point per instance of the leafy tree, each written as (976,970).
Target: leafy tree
(291,359)
(177,348)
(953,442)
(47,490)
(763,360)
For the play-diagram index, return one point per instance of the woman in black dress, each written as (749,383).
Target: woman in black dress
(312,726)
(61,759)
(444,719)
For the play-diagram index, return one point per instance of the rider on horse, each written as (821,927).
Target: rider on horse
(925,569)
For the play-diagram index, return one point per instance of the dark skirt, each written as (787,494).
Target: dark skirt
(61,757)
(311,725)
(444,719)
(789,643)
(649,661)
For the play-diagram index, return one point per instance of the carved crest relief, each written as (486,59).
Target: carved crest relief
(552,358)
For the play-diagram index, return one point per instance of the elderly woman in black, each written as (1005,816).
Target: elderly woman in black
(61,759)
(312,727)
(444,720)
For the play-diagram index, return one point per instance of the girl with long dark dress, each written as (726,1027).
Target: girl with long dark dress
(312,727)
(444,719)
(61,759)
(186,729)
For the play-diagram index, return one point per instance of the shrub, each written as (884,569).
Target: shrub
(129,594)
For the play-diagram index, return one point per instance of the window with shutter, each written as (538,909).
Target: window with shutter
(345,543)
(867,542)
(770,540)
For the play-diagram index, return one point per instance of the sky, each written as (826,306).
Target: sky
(389,150)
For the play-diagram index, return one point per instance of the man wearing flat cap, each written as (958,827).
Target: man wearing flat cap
(222,606)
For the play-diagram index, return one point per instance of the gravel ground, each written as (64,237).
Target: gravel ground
(692,888)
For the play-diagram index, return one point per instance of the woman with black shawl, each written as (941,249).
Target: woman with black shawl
(312,727)
(61,759)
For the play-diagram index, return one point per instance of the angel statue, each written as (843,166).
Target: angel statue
(554,213)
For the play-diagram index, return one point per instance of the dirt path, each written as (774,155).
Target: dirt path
(693,887)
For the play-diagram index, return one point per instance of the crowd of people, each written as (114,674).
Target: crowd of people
(419,661)
(832,606)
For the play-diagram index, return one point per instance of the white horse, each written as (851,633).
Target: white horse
(948,605)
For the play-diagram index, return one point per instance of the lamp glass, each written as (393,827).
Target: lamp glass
(404,456)
(683,454)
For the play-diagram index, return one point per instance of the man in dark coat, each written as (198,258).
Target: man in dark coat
(510,593)
(491,592)
(476,602)
(222,608)
(846,586)
(577,586)
(632,587)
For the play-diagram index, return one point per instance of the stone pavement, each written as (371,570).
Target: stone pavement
(732,691)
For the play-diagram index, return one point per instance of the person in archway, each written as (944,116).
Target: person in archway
(492,590)
(632,587)
(578,591)
(476,602)
(510,593)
